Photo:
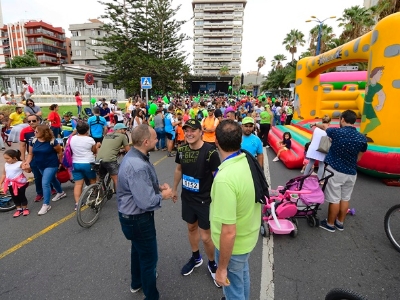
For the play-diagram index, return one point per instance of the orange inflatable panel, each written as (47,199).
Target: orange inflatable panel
(293,159)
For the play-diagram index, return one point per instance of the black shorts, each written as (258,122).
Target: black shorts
(192,212)
(109,167)
(98,140)
(169,136)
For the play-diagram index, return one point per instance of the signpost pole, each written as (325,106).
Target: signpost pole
(90,98)
(147,98)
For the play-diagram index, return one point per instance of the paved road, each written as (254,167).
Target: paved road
(70,262)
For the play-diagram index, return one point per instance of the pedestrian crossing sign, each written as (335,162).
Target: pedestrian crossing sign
(146,82)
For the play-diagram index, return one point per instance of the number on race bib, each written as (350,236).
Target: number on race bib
(190,183)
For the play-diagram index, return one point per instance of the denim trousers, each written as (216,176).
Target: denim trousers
(239,277)
(161,137)
(141,231)
(49,177)
(38,179)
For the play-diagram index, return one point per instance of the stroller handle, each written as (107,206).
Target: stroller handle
(329,171)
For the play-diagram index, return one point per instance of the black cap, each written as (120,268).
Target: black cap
(192,123)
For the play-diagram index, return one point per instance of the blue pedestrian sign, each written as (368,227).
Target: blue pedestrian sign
(145,82)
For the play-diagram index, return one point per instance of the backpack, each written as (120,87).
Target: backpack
(200,115)
(35,139)
(261,187)
(67,157)
(30,89)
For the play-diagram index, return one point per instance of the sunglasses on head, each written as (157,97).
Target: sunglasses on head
(32,121)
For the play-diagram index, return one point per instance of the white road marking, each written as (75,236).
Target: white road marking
(267,269)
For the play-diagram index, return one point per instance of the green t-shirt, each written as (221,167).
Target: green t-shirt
(111,145)
(265,117)
(233,202)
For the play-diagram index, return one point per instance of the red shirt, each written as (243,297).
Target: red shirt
(26,135)
(78,100)
(55,119)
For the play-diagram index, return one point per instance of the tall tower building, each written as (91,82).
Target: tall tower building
(218,31)
(370,3)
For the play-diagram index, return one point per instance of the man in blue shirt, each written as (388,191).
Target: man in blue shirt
(97,126)
(250,142)
(348,146)
(105,112)
(137,201)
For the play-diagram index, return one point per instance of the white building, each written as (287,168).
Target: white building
(218,31)
(370,3)
(84,45)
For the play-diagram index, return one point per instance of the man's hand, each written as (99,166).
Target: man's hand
(166,193)
(221,277)
(174,195)
(164,186)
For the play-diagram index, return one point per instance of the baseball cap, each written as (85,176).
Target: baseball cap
(247,120)
(211,107)
(192,123)
(119,126)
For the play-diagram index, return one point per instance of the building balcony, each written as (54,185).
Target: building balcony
(218,58)
(218,16)
(219,8)
(217,50)
(216,42)
(228,33)
(218,25)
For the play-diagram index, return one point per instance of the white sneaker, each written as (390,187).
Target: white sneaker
(59,196)
(135,290)
(276,159)
(267,146)
(45,208)
(302,171)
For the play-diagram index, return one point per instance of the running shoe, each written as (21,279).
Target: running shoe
(212,268)
(17,213)
(338,226)
(25,212)
(59,196)
(324,225)
(135,290)
(38,198)
(191,264)
(276,159)
(45,208)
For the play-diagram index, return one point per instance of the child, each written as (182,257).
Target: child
(15,181)
(284,145)
(305,160)
(283,117)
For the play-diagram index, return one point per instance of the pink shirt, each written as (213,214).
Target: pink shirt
(78,100)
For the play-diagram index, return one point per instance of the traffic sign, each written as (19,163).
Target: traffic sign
(89,78)
(145,83)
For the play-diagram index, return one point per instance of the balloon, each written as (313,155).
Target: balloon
(152,109)
(165,99)
(152,124)
(229,87)
(196,99)
(93,100)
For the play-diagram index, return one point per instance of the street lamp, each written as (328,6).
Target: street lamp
(319,30)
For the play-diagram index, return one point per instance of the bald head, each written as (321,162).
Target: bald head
(139,134)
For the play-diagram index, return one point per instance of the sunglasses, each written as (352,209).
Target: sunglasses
(32,121)
(36,131)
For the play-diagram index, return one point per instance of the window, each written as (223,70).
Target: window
(78,52)
(78,43)
(199,23)
(95,52)
(98,32)
(76,33)
(94,42)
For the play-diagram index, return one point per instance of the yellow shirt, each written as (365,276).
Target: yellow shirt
(209,123)
(16,118)
(127,104)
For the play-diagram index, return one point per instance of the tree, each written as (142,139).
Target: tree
(27,60)
(260,63)
(356,21)
(326,36)
(278,59)
(385,8)
(236,81)
(293,39)
(224,71)
(142,38)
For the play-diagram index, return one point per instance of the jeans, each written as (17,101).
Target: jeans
(141,231)
(161,137)
(49,177)
(38,179)
(79,109)
(321,167)
(2,145)
(56,131)
(238,275)
(277,120)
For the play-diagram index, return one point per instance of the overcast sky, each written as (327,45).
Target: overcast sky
(266,22)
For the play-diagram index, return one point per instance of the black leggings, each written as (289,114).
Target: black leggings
(263,134)
(20,199)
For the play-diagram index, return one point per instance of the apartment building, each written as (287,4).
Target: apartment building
(45,40)
(84,44)
(218,31)
(370,3)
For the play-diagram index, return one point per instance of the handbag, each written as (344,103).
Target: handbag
(324,144)
(63,175)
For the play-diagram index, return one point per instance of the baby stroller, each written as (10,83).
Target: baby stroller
(87,112)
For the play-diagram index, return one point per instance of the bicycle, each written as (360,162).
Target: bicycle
(392,226)
(6,203)
(343,294)
(94,198)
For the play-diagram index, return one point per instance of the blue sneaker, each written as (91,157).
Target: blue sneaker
(338,226)
(324,225)
(212,268)
(192,263)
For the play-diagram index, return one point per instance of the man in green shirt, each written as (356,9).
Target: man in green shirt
(234,215)
(265,125)
(109,150)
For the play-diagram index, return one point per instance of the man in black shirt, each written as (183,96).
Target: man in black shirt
(218,112)
(197,163)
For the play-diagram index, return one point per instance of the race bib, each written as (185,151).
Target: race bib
(190,183)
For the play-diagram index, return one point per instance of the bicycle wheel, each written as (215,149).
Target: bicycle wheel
(392,226)
(341,294)
(6,141)
(6,204)
(89,205)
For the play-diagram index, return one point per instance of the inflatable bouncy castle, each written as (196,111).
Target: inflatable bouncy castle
(374,95)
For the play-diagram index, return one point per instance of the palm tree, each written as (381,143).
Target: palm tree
(333,43)
(260,63)
(385,8)
(276,62)
(292,40)
(236,81)
(224,71)
(356,21)
(326,36)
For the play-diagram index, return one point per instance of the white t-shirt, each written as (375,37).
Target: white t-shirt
(119,114)
(27,95)
(13,171)
(3,100)
(81,146)
(112,107)
(135,124)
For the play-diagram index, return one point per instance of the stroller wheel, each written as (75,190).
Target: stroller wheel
(311,221)
(264,229)
(294,221)
(294,231)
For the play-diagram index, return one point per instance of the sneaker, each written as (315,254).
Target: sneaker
(267,146)
(135,290)
(192,263)
(213,269)
(324,225)
(59,196)
(25,212)
(53,192)
(3,149)
(171,155)
(276,159)
(38,198)
(45,208)
(302,171)
(76,207)
(17,213)
(338,226)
